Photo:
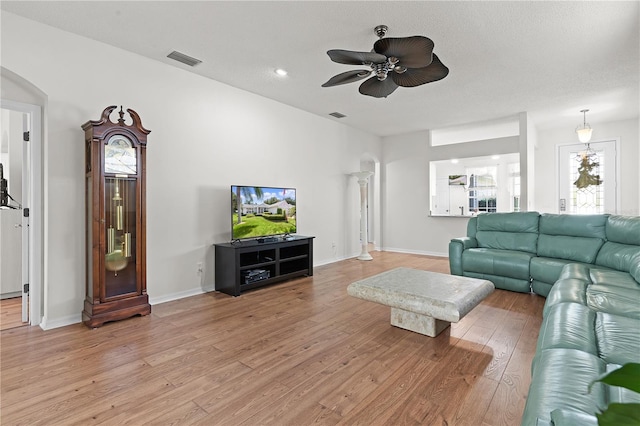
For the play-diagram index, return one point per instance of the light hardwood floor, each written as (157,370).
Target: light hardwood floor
(11,313)
(296,353)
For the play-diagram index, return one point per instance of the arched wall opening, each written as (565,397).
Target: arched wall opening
(19,94)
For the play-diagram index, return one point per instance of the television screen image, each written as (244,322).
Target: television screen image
(260,211)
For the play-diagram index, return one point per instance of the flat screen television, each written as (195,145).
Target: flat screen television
(262,211)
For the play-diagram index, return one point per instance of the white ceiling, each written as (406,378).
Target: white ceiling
(549,58)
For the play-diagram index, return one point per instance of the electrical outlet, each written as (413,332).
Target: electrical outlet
(200,268)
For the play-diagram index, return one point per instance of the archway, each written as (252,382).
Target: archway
(20,96)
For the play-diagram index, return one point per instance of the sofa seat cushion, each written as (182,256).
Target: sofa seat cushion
(540,288)
(561,381)
(601,289)
(504,283)
(507,263)
(547,269)
(610,277)
(618,338)
(614,300)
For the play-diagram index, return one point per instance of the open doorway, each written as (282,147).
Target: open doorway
(21,249)
(15,129)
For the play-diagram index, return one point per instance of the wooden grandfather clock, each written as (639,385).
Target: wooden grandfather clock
(116,286)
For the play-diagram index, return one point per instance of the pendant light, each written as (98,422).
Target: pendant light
(584,131)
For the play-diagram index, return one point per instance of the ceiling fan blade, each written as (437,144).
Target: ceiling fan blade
(355,58)
(413,52)
(347,77)
(376,88)
(416,76)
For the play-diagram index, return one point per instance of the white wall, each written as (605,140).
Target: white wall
(546,175)
(406,224)
(205,136)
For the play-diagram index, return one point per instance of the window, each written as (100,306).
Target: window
(482,190)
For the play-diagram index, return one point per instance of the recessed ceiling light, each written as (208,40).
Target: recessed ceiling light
(454,160)
(281,72)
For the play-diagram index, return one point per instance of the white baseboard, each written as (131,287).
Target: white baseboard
(47,324)
(425,253)
(10,295)
(329,261)
(179,295)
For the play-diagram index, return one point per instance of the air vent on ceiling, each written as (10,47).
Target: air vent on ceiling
(185,59)
(337,115)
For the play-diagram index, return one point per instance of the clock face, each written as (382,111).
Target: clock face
(120,156)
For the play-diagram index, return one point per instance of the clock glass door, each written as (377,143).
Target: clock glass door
(120,168)
(120,228)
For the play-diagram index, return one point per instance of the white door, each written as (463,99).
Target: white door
(587,178)
(26,173)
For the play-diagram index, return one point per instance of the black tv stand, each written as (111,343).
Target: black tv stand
(253,264)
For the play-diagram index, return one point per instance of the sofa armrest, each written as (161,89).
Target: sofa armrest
(456,247)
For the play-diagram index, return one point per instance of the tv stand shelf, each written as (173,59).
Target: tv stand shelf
(281,259)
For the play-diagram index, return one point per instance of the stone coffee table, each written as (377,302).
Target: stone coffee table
(422,301)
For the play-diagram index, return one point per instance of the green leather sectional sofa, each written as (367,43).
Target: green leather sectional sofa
(588,267)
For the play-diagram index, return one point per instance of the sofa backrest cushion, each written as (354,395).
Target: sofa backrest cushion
(571,237)
(622,257)
(508,231)
(622,249)
(623,229)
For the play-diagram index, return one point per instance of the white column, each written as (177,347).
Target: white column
(364,237)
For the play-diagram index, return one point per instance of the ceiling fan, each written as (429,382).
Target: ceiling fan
(406,62)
